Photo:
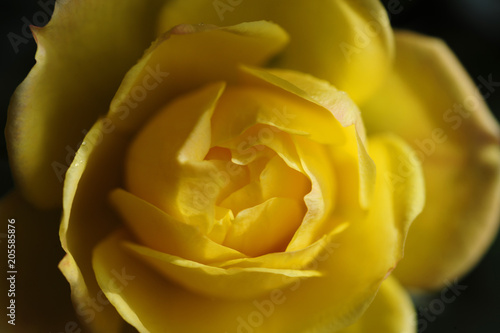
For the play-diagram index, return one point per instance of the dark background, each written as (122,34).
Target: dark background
(472,30)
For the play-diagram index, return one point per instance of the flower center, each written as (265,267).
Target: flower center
(260,204)
(234,167)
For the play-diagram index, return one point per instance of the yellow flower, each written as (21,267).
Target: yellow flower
(226,182)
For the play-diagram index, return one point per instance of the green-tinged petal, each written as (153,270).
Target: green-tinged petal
(391,311)
(160,232)
(348,43)
(187,57)
(431,102)
(29,238)
(351,273)
(83,54)
(87,217)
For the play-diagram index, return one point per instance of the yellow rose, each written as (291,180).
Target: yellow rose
(227,183)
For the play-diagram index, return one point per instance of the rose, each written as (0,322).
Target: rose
(208,208)
(398,178)
(187,166)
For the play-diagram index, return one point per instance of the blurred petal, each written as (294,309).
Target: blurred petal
(348,43)
(83,53)
(391,311)
(42,301)
(431,102)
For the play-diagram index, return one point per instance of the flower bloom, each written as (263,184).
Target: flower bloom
(229,184)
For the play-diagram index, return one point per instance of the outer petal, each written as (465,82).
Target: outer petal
(392,311)
(187,57)
(352,41)
(83,53)
(41,293)
(430,101)
(87,219)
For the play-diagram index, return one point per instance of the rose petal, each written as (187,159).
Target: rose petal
(321,200)
(266,227)
(159,231)
(348,43)
(159,168)
(391,311)
(326,96)
(432,103)
(303,258)
(278,180)
(188,57)
(244,150)
(287,112)
(310,88)
(87,217)
(223,283)
(83,53)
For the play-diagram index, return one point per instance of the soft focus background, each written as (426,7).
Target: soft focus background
(470,27)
